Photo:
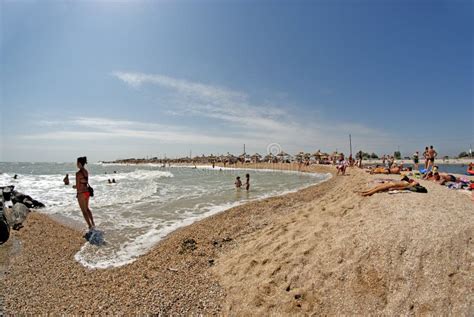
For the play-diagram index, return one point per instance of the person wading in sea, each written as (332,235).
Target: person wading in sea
(238,182)
(82,188)
(66,180)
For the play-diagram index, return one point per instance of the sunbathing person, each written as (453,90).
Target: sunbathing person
(470,167)
(385,170)
(429,176)
(395,169)
(405,183)
(379,170)
(444,178)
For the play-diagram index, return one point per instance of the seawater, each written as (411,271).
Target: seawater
(147,202)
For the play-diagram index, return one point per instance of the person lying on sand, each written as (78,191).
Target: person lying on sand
(429,176)
(444,178)
(385,170)
(405,183)
(395,169)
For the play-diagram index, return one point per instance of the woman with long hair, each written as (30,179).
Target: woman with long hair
(83,194)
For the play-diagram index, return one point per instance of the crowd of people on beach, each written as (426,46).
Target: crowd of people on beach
(388,165)
(430,172)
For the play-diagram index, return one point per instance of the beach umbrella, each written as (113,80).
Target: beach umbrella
(256,157)
(269,157)
(299,156)
(282,155)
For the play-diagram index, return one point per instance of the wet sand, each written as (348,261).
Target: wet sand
(322,250)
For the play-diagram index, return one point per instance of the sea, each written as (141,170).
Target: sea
(146,203)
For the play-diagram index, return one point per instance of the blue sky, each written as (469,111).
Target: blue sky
(130,79)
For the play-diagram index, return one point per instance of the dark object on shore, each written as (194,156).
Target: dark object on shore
(17,226)
(418,189)
(4,227)
(189,245)
(87,236)
(9,193)
(95,237)
(29,202)
(16,215)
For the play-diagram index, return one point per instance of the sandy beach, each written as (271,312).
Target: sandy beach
(322,250)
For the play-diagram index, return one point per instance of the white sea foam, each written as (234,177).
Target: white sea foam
(130,251)
(148,202)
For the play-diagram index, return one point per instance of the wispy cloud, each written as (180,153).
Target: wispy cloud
(183,86)
(81,128)
(236,119)
(196,99)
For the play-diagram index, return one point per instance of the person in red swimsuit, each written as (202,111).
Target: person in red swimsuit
(82,180)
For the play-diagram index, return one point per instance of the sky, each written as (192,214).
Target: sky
(125,79)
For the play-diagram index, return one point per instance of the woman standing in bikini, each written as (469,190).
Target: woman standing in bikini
(82,180)
(426,157)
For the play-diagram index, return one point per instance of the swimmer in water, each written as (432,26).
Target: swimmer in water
(66,180)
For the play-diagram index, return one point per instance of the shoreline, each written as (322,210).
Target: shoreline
(188,271)
(462,162)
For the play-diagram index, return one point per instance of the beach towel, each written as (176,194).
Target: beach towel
(392,192)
